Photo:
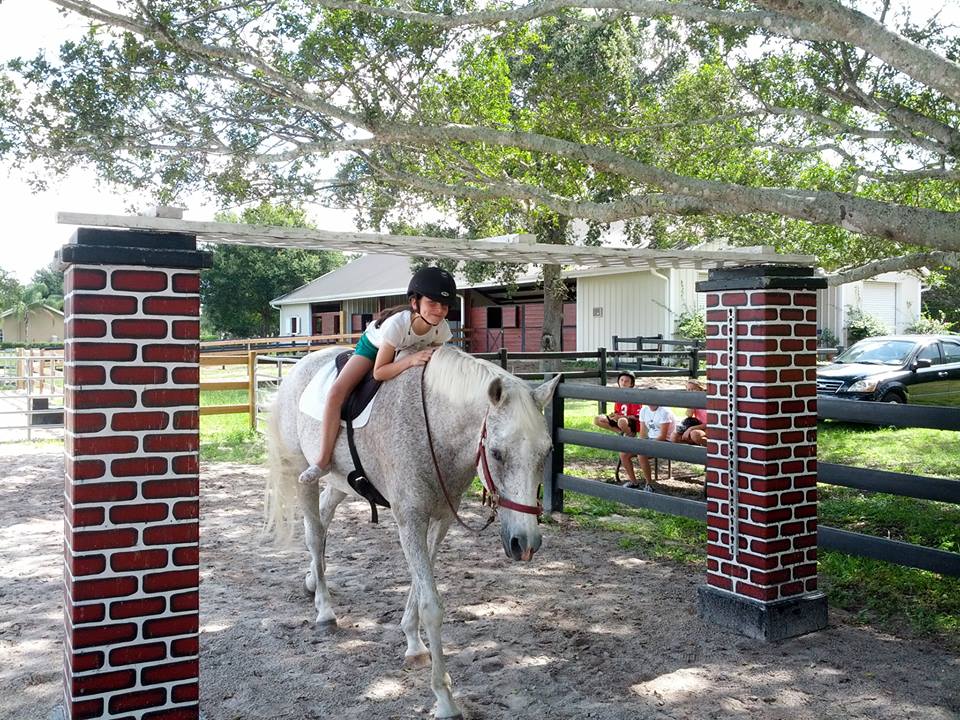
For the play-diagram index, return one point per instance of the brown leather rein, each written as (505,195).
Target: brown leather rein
(495,499)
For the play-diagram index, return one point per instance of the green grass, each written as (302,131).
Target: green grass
(888,596)
(229,437)
(665,537)
(917,451)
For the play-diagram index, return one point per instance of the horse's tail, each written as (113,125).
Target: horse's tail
(280,497)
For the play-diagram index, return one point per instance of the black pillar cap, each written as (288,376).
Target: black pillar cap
(762,277)
(107,246)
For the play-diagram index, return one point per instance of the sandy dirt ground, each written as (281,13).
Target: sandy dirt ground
(587,630)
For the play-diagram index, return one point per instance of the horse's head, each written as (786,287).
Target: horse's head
(517,444)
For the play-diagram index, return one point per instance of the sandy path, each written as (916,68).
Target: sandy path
(588,630)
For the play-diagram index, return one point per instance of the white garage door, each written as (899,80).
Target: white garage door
(880,300)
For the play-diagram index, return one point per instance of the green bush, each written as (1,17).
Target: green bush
(929,325)
(692,325)
(862,325)
(826,339)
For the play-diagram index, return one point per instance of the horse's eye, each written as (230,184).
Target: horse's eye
(497,455)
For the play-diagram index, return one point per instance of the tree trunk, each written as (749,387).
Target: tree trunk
(553,231)
(554,293)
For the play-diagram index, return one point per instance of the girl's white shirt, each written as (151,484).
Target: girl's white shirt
(397,330)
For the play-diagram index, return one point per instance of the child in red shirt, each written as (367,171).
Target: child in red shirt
(624,419)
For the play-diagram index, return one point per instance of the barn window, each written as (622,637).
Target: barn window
(295,325)
(494,316)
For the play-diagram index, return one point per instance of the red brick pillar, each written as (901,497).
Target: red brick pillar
(131,506)
(762,452)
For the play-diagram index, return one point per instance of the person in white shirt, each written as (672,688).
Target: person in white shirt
(656,423)
(403,337)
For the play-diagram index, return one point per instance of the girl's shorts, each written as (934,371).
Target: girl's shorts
(366,349)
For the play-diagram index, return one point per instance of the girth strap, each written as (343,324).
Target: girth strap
(357,478)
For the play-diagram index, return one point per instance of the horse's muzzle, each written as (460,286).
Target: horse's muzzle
(520,546)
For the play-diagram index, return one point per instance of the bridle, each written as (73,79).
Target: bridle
(496,499)
(491,496)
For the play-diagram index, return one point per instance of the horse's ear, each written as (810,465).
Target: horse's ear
(543,393)
(495,391)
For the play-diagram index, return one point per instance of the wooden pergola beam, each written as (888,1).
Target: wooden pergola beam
(432,247)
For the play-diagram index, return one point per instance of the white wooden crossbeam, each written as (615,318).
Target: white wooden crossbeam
(431,247)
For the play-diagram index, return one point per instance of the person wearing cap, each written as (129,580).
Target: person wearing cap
(624,419)
(402,337)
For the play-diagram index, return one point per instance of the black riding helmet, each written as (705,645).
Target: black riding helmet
(627,373)
(434,283)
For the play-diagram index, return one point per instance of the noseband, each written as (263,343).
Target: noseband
(490,492)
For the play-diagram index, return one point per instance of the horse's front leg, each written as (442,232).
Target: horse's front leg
(417,654)
(318,511)
(413,539)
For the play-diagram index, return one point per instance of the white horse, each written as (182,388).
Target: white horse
(475,410)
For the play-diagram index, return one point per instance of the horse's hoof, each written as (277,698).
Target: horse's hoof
(421,660)
(326,627)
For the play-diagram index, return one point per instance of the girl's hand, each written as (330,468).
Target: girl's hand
(421,357)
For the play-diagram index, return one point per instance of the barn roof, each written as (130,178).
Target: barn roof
(373,276)
(432,247)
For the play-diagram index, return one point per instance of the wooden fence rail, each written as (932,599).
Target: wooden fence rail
(31,392)
(294,343)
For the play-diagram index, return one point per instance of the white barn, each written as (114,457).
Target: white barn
(603,302)
(893,298)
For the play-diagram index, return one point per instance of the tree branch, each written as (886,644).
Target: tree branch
(908,262)
(853,27)
(911,225)
(813,20)
(608,212)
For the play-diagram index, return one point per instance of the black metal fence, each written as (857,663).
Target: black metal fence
(652,355)
(556,481)
(603,363)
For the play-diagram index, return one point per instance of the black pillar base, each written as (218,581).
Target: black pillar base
(769,622)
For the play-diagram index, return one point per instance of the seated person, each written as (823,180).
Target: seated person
(693,429)
(624,419)
(656,423)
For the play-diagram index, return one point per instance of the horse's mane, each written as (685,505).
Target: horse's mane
(463,379)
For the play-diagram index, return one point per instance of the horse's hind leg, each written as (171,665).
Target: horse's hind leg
(417,654)
(318,510)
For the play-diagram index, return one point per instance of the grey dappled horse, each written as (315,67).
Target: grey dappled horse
(463,395)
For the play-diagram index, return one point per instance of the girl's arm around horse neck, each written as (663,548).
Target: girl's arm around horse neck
(387,367)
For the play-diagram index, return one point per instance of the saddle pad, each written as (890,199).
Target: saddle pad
(314,397)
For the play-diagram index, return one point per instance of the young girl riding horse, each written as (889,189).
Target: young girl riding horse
(403,337)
